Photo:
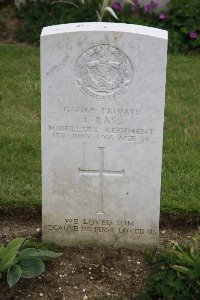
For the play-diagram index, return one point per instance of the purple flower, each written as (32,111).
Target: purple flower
(162,16)
(146,7)
(153,3)
(193,35)
(116,6)
(133,7)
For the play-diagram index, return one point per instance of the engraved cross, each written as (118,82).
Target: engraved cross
(101,173)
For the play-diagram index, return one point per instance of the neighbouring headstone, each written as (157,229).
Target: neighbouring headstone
(103,91)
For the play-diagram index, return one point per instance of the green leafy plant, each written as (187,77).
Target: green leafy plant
(103,7)
(188,262)
(17,260)
(181,18)
(68,2)
(184,17)
(175,274)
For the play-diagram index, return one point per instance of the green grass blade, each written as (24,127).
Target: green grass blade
(181,269)
(184,258)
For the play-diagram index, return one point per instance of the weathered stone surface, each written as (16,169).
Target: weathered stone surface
(103,90)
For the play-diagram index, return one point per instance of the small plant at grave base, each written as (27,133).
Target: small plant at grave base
(176,274)
(18,260)
(188,263)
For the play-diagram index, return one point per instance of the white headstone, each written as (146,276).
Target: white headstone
(103,91)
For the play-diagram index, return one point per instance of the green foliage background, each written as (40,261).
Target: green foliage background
(182,17)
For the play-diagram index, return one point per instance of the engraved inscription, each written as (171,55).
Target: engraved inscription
(101,172)
(122,124)
(101,226)
(104,72)
(108,133)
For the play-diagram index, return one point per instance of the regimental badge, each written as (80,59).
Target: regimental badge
(104,72)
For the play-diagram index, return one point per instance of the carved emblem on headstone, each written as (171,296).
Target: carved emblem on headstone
(104,72)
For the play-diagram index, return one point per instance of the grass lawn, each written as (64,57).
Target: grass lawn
(19,126)
(20,168)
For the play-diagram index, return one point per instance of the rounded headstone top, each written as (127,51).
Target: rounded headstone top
(104,26)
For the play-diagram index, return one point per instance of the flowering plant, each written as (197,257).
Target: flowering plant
(181,18)
(110,7)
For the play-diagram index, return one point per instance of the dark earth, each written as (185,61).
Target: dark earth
(85,272)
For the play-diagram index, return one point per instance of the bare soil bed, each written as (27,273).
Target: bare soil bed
(85,272)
